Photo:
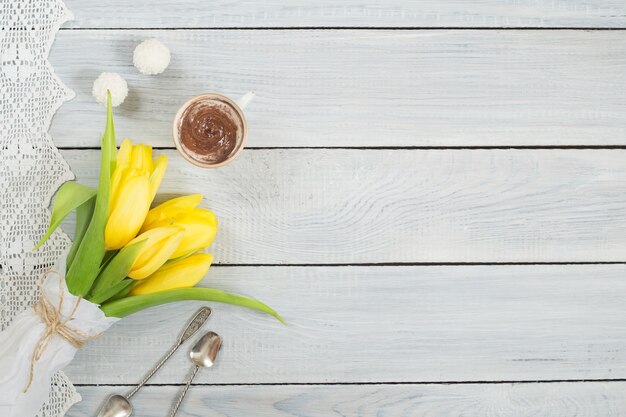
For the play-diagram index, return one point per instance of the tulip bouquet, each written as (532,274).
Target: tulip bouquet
(125,257)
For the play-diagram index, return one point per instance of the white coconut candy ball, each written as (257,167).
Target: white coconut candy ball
(112,82)
(151,57)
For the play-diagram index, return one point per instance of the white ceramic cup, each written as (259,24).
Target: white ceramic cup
(235,107)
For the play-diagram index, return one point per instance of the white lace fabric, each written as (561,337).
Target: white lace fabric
(31,168)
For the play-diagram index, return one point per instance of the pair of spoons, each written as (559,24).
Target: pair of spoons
(202,355)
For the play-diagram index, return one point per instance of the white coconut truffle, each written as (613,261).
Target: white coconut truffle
(151,57)
(112,82)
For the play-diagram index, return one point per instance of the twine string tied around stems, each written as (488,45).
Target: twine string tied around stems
(51,317)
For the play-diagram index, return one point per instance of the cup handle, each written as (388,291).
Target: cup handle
(245,100)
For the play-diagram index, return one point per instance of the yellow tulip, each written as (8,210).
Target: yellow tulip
(181,273)
(200,225)
(159,245)
(134,184)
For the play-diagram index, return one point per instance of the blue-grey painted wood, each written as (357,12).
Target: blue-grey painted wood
(466,400)
(348,13)
(317,206)
(362,88)
(386,324)
(382,88)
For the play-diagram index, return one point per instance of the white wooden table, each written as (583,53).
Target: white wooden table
(433,196)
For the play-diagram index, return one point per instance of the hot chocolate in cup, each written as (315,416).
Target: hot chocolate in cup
(210,130)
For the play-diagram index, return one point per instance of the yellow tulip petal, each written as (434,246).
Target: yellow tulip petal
(170,208)
(141,158)
(184,273)
(129,212)
(157,240)
(201,215)
(157,175)
(119,174)
(160,244)
(200,229)
(155,236)
(121,170)
(123,155)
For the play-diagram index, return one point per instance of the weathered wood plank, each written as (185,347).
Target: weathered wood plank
(467,400)
(312,206)
(362,88)
(352,13)
(387,324)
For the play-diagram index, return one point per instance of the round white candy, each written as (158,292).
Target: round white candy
(151,57)
(112,82)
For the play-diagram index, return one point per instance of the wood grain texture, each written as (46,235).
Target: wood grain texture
(318,206)
(362,88)
(470,400)
(387,324)
(348,13)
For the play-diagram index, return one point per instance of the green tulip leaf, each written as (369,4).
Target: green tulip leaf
(106,259)
(113,290)
(84,212)
(116,270)
(129,305)
(70,196)
(86,264)
(124,292)
(108,139)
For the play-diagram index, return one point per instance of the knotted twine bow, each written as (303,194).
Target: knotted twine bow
(51,318)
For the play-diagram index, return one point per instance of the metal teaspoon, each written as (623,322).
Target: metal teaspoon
(203,355)
(118,405)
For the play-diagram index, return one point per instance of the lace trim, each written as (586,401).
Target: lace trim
(31,167)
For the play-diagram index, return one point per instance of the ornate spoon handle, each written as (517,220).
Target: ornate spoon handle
(192,327)
(185,389)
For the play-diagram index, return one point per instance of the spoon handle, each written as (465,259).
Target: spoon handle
(185,389)
(153,370)
(194,324)
(192,328)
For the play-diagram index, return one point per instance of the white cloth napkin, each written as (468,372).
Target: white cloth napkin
(19,340)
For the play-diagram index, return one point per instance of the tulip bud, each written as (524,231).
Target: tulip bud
(200,225)
(160,244)
(181,273)
(134,184)
(129,203)
(170,209)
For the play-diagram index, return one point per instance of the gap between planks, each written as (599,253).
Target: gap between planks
(388,148)
(399,28)
(281,384)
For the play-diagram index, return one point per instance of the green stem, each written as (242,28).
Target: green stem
(129,305)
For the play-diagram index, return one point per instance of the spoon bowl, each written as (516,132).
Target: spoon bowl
(116,406)
(204,352)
